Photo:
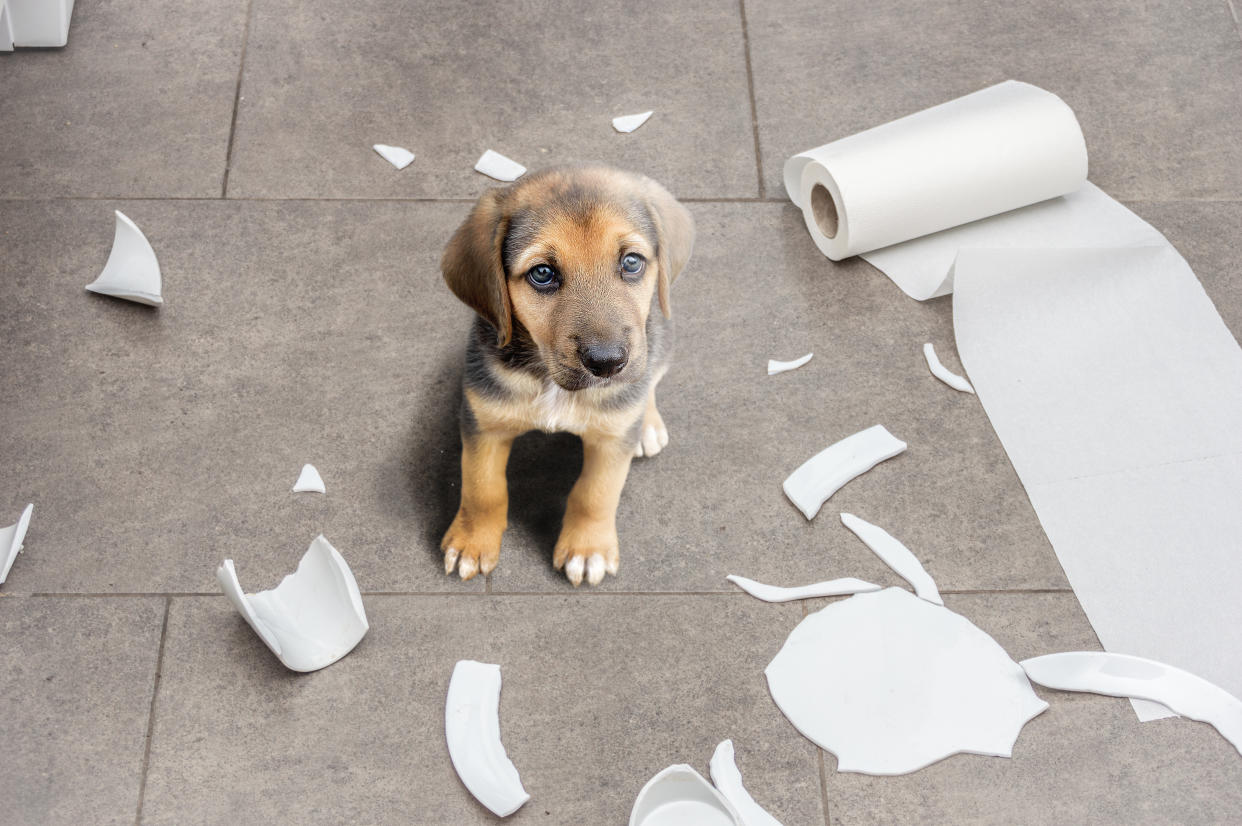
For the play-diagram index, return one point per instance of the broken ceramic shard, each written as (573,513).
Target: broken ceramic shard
(309,480)
(628,123)
(313,617)
(132,271)
(776,593)
(398,156)
(895,555)
(472,729)
(819,477)
(891,683)
(679,796)
(775,366)
(728,781)
(1121,675)
(943,373)
(494,165)
(11,539)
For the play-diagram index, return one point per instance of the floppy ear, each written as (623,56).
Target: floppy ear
(675,238)
(473,264)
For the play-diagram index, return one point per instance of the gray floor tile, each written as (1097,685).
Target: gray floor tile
(538,82)
(586,714)
(76,677)
(138,104)
(1157,86)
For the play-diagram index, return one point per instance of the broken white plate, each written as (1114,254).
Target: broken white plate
(628,123)
(728,781)
(472,729)
(398,156)
(313,617)
(775,593)
(11,539)
(895,555)
(825,473)
(891,683)
(943,373)
(1120,675)
(309,480)
(679,796)
(775,366)
(494,165)
(132,271)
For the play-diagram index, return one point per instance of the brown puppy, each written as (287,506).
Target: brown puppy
(563,268)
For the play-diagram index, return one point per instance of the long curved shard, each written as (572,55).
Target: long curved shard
(11,539)
(472,729)
(728,781)
(777,593)
(132,271)
(819,477)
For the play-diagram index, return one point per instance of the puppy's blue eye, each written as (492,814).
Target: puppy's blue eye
(541,276)
(632,264)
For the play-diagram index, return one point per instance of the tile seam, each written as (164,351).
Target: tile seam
(155,690)
(500,593)
(750,89)
(241,68)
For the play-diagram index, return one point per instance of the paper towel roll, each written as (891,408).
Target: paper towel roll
(998,149)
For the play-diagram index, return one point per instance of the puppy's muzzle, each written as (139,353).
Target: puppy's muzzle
(603,359)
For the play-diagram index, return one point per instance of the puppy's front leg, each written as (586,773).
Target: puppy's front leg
(474,536)
(588,541)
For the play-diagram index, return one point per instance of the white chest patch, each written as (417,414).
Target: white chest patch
(556,409)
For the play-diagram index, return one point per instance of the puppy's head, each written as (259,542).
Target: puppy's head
(570,259)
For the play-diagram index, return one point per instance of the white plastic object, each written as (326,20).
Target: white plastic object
(309,481)
(825,473)
(6,29)
(891,683)
(494,165)
(679,796)
(628,123)
(39,22)
(398,156)
(728,782)
(472,729)
(896,556)
(132,271)
(775,366)
(776,593)
(943,373)
(1121,675)
(313,617)
(11,539)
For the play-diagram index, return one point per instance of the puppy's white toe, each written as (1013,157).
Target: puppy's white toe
(450,560)
(595,569)
(573,570)
(469,567)
(663,434)
(651,441)
(613,564)
(638,450)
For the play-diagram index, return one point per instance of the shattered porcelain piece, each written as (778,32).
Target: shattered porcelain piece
(494,165)
(11,539)
(398,156)
(896,556)
(891,683)
(309,481)
(628,123)
(472,729)
(775,366)
(819,477)
(679,796)
(313,617)
(943,373)
(776,593)
(728,781)
(1120,675)
(132,271)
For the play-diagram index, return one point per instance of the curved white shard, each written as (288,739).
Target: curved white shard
(775,366)
(309,480)
(11,539)
(943,373)
(679,796)
(890,683)
(895,555)
(398,156)
(728,781)
(472,729)
(776,593)
(313,617)
(132,271)
(1121,675)
(819,477)
(494,165)
(628,123)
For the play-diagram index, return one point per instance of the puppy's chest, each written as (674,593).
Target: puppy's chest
(555,409)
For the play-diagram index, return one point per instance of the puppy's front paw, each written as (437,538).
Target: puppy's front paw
(589,549)
(654,435)
(471,547)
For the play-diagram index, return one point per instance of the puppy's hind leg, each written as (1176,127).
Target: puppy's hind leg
(472,542)
(652,435)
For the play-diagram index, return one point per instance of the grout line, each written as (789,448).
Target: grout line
(489,591)
(823,784)
(155,690)
(1233,12)
(750,88)
(241,68)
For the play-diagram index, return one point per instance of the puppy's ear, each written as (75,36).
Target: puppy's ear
(473,264)
(674,235)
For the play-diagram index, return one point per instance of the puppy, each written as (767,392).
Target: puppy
(569,271)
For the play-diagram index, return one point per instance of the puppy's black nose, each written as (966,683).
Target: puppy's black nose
(603,360)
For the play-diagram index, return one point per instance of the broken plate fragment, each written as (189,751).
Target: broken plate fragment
(895,555)
(472,729)
(494,165)
(11,539)
(679,796)
(398,156)
(891,683)
(775,593)
(728,781)
(132,271)
(309,480)
(943,373)
(819,477)
(313,617)
(628,123)
(775,366)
